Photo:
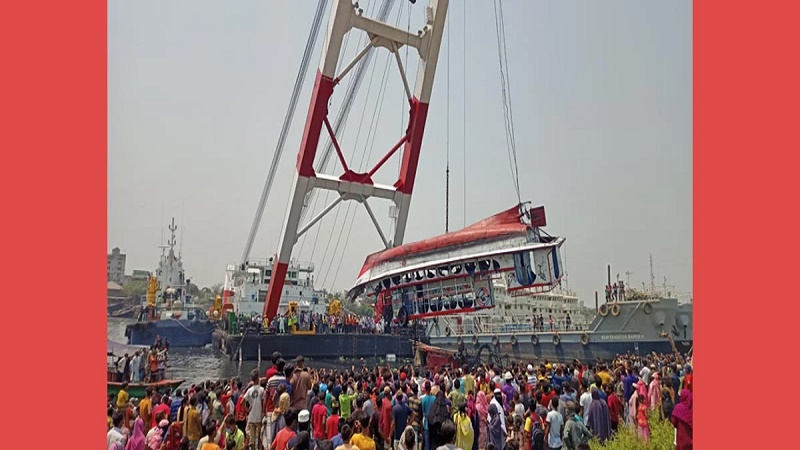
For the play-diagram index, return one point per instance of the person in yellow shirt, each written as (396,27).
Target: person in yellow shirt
(123,397)
(146,407)
(363,440)
(193,428)
(604,375)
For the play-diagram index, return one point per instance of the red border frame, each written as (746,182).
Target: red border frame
(53,131)
(53,202)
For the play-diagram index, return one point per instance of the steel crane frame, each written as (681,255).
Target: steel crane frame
(346,16)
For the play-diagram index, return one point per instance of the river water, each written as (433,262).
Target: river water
(198,365)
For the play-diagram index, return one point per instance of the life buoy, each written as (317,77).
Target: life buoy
(513,339)
(475,339)
(556,340)
(603,310)
(402,317)
(585,338)
(459,340)
(615,309)
(447,331)
(534,339)
(647,308)
(495,340)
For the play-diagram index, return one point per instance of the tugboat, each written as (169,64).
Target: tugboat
(169,313)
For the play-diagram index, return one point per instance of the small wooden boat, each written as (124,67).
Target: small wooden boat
(138,390)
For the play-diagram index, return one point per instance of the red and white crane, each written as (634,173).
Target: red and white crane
(345,18)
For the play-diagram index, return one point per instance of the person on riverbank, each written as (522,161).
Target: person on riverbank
(116,436)
(682,419)
(254,396)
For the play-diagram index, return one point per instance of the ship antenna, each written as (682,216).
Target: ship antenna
(652,277)
(172,229)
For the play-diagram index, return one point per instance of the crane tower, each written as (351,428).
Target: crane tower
(346,17)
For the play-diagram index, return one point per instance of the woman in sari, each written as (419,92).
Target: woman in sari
(598,418)
(655,393)
(641,389)
(482,410)
(473,419)
(495,434)
(465,435)
(682,417)
(136,441)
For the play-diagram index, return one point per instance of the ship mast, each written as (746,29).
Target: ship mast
(652,276)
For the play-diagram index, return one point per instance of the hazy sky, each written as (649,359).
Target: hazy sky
(602,102)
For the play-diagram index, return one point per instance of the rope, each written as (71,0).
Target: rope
(464,116)
(298,83)
(185,327)
(505,87)
(447,146)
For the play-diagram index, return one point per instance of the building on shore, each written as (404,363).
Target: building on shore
(116,266)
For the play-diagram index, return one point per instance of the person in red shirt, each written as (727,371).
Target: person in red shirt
(547,395)
(332,425)
(162,406)
(319,413)
(273,369)
(614,408)
(385,422)
(287,433)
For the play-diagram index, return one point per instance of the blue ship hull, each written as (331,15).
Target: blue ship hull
(179,333)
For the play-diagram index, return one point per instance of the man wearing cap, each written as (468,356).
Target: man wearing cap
(332,424)
(497,400)
(508,390)
(303,424)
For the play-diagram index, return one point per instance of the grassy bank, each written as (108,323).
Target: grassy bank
(662,436)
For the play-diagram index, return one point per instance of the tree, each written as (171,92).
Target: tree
(134,289)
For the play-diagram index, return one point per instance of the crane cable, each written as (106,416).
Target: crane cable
(505,87)
(447,145)
(287,121)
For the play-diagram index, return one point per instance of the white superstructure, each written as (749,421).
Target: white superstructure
(250,281)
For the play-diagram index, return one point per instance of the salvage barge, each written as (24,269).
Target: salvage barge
(252,346)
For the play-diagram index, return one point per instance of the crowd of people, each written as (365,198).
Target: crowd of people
(321,323)
(520,407)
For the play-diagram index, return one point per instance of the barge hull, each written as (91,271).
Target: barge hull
(319,346)
(570,347)
(179,333)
